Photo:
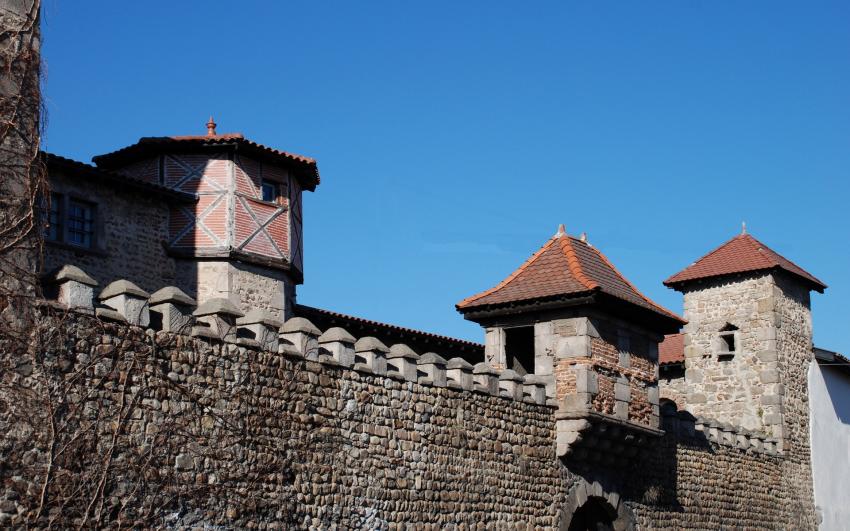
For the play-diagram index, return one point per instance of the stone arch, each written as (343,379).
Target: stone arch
(593,497)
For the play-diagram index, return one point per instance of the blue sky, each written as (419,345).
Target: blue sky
(453,137)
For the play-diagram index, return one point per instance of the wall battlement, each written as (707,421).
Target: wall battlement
(218,320)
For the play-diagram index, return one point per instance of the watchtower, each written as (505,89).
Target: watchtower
(748,340)
(569,316)
(242,238)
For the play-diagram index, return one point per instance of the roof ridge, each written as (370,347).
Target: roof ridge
(779,258)
(575,264)
(703,257)
(632,286)
(510,277)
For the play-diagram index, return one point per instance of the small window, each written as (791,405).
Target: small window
(80,223)
(727,342)
(270,191)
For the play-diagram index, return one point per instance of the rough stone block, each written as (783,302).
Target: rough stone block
(173,309)
(510,384)
(769,376)
(534,386)
(587,381)
(371,354)
(75,287)
(767,356)
(303,335)
(261,326)
(127,299)
(622,391)
(401,360)
(220,315)
(459,374)
(573,347)
(339,344)
(485,378)
(432,369)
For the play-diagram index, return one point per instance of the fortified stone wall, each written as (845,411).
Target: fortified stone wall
(704,475)
(240,425)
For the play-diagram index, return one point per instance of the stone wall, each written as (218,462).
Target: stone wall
(128,224)
(325,430)
(793,340)
(743,389)
(711,477)
(246,285)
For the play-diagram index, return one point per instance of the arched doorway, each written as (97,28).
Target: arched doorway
(594,515)
(589,507)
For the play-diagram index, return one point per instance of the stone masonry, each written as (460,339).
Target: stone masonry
(321,434)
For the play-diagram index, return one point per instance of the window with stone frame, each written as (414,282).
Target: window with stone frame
(727,342)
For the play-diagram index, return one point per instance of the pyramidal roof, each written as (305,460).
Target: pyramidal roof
(741,254)
(564,267)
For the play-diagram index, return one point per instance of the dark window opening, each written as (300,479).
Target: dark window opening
(270,191)
(728,342)
(519,349)
(592,516)
(671,371)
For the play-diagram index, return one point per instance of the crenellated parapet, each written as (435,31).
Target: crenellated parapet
(688,427)
(219,320)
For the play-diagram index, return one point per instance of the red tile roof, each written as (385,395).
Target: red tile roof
(564,266)
(741,254)
(672,349)
(155,144)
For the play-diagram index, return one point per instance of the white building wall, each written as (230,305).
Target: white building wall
(829,404)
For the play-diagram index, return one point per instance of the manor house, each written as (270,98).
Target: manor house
(595,406)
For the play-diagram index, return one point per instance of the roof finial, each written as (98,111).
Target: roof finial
(743,227)
(211,127)
(561,231)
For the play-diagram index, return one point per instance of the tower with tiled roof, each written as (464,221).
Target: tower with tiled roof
(567,315)
(748,341)
(241,238)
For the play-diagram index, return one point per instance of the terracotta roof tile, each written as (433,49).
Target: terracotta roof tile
(564,266)
(741,254)
(151,144)
(672,349)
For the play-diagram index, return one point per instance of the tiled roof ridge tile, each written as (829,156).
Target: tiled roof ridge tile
(467,301)
(574,263)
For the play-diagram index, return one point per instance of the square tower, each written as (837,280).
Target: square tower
(567,315)
(748,341)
